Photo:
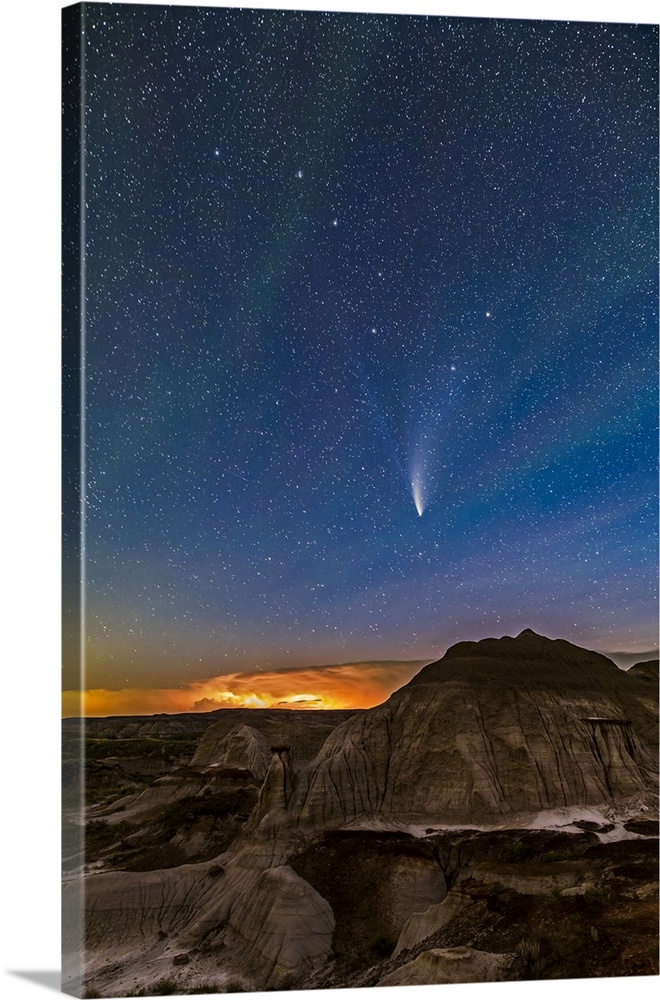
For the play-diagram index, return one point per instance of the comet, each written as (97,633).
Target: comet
(418,491)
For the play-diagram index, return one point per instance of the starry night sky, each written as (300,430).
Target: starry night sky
(341,268)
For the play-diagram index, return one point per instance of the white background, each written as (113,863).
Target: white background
(29,500)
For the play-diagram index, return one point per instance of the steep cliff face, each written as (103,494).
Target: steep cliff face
(494,732)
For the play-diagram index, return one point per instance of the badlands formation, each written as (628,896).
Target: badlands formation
(495,731)
(500,804)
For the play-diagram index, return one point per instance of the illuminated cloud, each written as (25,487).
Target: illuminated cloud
(346,685)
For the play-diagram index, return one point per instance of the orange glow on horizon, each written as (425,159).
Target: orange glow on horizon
(348,685)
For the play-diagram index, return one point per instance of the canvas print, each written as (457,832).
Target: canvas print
(360,499)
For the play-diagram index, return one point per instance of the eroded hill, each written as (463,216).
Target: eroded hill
(496,818)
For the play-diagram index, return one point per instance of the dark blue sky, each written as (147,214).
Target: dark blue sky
(342,268)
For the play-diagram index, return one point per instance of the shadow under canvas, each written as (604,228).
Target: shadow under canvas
(50,980)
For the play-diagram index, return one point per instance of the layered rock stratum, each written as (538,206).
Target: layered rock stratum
(428,808)
(244,748)
(494,732)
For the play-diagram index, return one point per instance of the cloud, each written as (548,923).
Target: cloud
(299,701)
(206,705)
(344,685)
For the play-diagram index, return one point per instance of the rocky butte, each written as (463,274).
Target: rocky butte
(490,794)
(496,731)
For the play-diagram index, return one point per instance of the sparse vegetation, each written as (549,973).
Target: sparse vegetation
(163,988)
(168,987)
(99,835)
(218,816)
(520,850)
(235,803)
(557,856)
(145,748)
(529,951)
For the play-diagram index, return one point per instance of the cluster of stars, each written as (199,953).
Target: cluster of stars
(370,344)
